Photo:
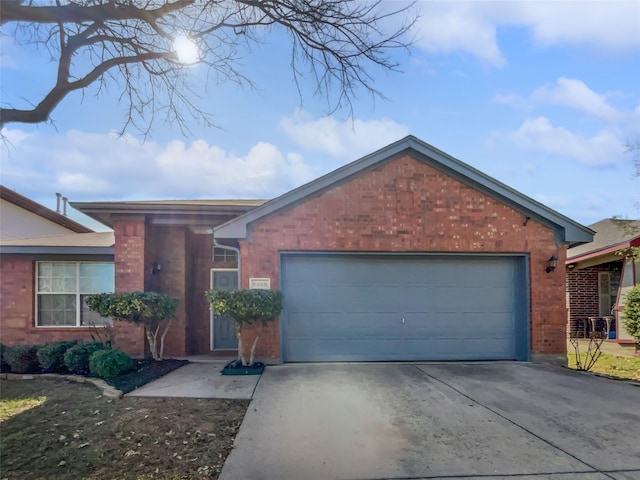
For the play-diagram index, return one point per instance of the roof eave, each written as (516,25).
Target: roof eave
(634,242)
(54,250)
(42,211)
(104,212)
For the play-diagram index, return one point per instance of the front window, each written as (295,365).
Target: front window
(62,289)
(225,257)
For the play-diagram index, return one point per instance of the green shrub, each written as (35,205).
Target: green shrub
(246,307)
(51,356)
(23,358)
(110,363)
(4,366)
(154,311)
(631,313)
(76,359)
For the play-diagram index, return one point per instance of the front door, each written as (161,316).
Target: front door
(223,330)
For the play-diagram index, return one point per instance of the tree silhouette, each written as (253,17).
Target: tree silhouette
(129,45)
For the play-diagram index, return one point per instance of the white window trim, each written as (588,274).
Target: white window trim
(77,293)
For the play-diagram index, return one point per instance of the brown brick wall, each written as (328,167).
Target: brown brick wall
(17,306)
(582,288)
(185,260)
(169,247)
(199,264)
(408,206)
(582,291)
(129,258)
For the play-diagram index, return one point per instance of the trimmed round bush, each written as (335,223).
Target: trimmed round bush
(23,358)
(51,356)
(76,358)
(110,363)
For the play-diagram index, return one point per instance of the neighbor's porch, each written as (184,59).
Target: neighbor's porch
(595,298)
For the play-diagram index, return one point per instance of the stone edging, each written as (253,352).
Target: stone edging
(107,390)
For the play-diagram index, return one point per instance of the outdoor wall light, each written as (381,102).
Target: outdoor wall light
(552,263)
(156,267)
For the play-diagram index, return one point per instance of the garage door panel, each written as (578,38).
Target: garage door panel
(347,307)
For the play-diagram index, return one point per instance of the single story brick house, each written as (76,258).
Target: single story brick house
(404,254)
(599,275)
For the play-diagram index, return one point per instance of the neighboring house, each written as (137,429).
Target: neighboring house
(405,254)
(48,264)
(22,217)
(599,275)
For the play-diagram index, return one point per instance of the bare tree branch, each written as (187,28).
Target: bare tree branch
(86,11)
(128,44)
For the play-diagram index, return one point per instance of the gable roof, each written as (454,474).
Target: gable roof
(42,211)
(611,235)
(567,230)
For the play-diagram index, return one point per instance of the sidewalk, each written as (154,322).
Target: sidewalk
(200,379)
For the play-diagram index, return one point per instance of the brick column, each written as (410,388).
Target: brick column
(130,276)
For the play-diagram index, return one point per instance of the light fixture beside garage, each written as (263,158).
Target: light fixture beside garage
(552,263)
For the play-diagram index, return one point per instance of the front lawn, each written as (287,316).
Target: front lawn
(53,428)
(621,367)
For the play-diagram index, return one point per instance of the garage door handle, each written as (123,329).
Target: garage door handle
(403,321)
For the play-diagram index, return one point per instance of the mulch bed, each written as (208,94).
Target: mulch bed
(146,371)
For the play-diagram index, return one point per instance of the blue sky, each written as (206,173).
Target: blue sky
(543,96)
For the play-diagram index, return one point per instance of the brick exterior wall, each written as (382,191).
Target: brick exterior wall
(168,247)
(130,269)
(582,292)
(406,205)
(199,264)
(185,260)
(17,305)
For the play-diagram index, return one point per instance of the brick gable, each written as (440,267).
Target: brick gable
(405,205)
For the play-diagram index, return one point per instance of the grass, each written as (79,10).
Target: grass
(53,428)
(14,406)
(619,367)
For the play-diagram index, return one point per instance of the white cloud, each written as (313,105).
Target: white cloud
(575,94)
(512,100)
(472,27)
(603,148)
(446,27)
(601,25)
(347,140)
(87,166)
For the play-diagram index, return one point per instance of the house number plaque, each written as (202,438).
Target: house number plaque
(260,283)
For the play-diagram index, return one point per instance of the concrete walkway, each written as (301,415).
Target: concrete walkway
(418,421)
(200,379)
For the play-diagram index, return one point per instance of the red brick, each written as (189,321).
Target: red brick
(407,206)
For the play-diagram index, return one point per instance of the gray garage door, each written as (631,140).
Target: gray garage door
(381,308)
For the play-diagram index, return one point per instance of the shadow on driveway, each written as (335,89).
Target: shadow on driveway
(413,421)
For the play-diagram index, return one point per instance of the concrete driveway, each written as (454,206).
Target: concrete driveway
(418,421)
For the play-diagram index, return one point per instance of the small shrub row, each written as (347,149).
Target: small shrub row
(22,358)
(51,356)
(92,358)
(110,363)
(77,357)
